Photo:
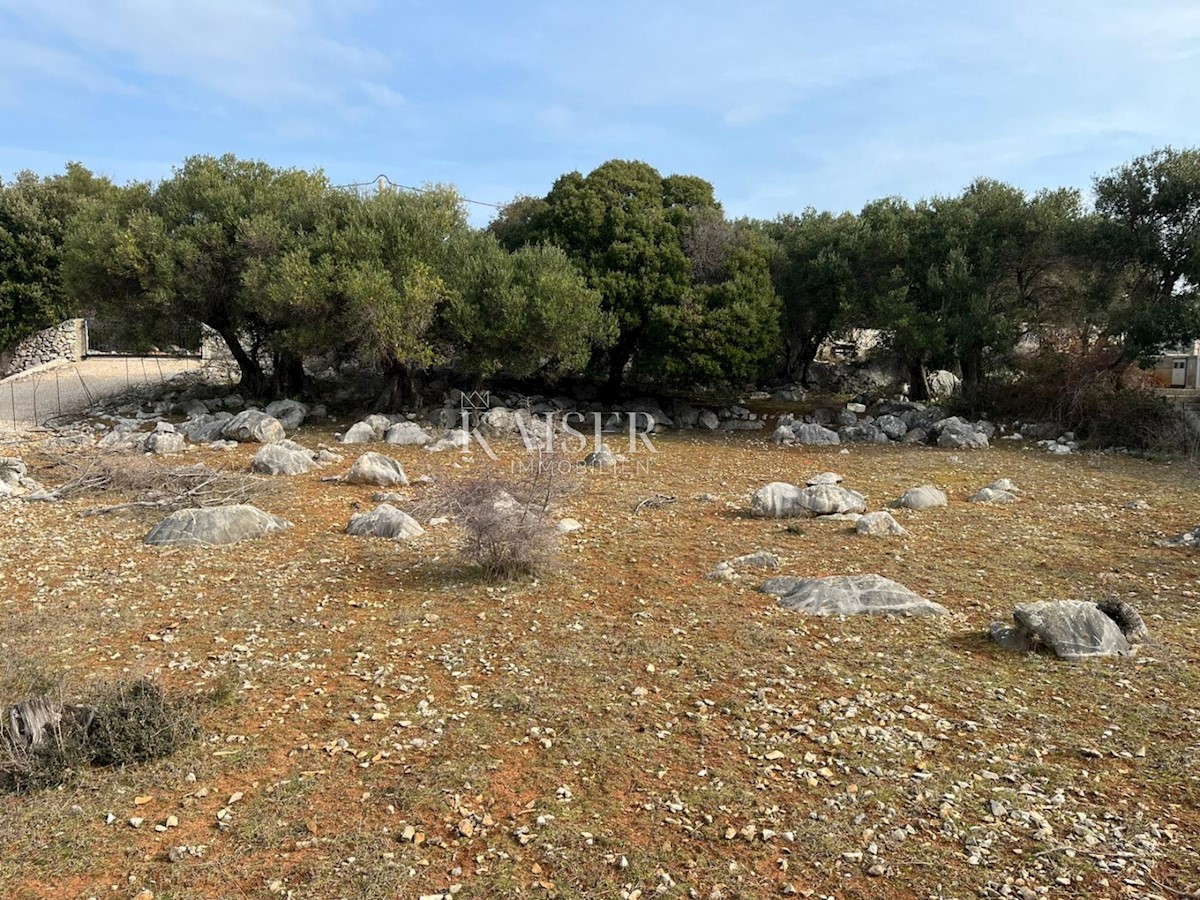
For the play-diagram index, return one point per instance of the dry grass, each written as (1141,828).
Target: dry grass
(623,708)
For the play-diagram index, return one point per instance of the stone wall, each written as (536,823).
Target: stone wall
(213,348)
(65,342)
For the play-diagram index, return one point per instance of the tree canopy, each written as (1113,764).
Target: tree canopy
(623,273)
(35,217)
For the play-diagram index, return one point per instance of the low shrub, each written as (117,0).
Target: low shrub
(135,721)
(43,740)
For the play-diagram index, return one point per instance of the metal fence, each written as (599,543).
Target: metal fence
(42,398)
(125,338)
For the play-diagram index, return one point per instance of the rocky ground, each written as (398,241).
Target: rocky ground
(624,726)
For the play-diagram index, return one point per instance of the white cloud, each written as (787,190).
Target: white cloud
(258,53)
(22,62)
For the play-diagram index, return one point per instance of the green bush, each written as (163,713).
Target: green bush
(126,722)
(136,722)
(1106,403)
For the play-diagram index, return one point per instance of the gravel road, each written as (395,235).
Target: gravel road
(30,400)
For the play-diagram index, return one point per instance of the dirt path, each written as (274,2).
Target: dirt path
(30,400)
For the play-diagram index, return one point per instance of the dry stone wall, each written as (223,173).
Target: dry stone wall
(66,342)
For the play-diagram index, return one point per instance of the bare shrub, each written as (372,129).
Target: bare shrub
(506,519)
(39,746)
(152,484)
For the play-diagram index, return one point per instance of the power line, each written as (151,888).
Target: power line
(420,190)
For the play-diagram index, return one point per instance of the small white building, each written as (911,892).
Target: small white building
(1179,368)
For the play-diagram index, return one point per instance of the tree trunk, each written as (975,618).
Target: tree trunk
(618,359)
(918,382)
(288,377)
(399,387)
(253,381)
(792,360)
(807,352)
(971,363)
(804,370)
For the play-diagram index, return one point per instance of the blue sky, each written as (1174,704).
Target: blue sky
(781,105)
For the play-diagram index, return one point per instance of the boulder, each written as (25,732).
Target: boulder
(925,418)
(193,408)
(851,595)
(384,521)
(878,524)
(708,419)
(359,433)
(1128,619)
(407,434)
(825,478)
(601,458)
(811,433)
(727,570)
(568,526)
(161,443)
(783,435)
(290,413)
(214,525)
(502,421)
(781,500)
(955,434)
(14,478)
(283,458)
(780,585)
(991,495)
(454,439)
(1187,539)
(253,425)
(943,384)
(377,469)
(924,497)
(1003,484)
(892,426)
(1072,629)
(204,429)
(867,433)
